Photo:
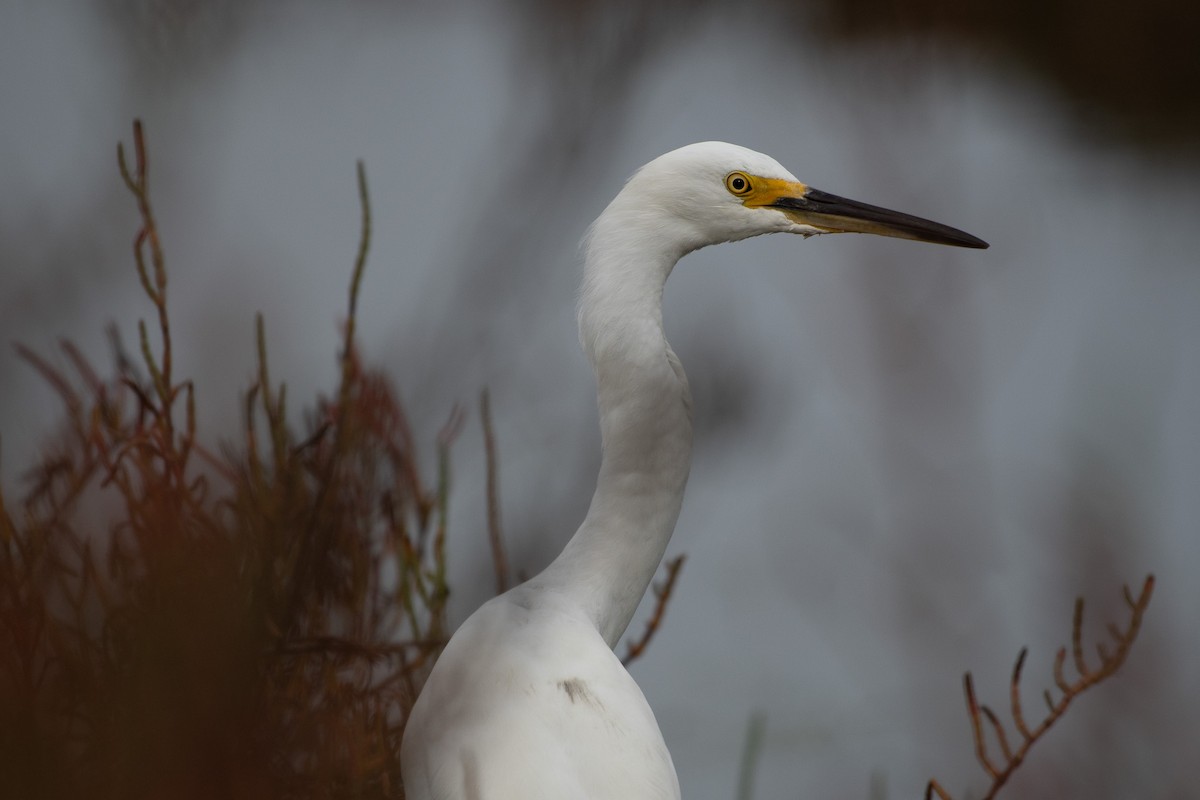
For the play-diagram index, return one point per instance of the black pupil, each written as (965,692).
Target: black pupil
(739,184)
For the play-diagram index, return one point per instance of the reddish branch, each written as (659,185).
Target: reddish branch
(156,290)
(662,594)
(1000,771)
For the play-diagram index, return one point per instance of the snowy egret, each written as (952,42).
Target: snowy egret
(528,700)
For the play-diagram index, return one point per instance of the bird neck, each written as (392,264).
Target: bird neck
(645,424)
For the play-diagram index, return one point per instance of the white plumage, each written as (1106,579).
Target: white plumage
(528,700)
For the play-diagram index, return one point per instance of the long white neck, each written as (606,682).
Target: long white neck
(645,421)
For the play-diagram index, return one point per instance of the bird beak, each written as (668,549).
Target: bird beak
(833,214)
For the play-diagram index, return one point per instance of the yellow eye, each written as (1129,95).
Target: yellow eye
(738,183)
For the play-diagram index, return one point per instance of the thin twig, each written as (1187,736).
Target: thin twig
(977,727)
(662,594)
(1001,737)
(364,245)
(495,534)
(1015,695)
(437,602)
(932,788)
(156,289)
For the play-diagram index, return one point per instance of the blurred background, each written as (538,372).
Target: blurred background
(909,459)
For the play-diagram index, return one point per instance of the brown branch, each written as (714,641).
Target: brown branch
(1088,677)
(977,727)
(156,290)
(1015,696)
(1001,737)
(932,788)
(662,594)
(499,557)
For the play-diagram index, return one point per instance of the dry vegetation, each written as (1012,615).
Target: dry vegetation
(175,623)
(180,623)
(1109,661)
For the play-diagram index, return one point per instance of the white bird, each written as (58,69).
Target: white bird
(528,700)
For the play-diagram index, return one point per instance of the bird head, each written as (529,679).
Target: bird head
(721,192)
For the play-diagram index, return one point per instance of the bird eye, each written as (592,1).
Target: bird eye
(738,183)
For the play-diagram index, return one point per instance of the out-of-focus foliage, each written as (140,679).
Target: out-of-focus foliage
(174,623)
(1129,75)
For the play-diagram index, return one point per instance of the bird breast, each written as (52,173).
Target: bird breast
(533,704)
